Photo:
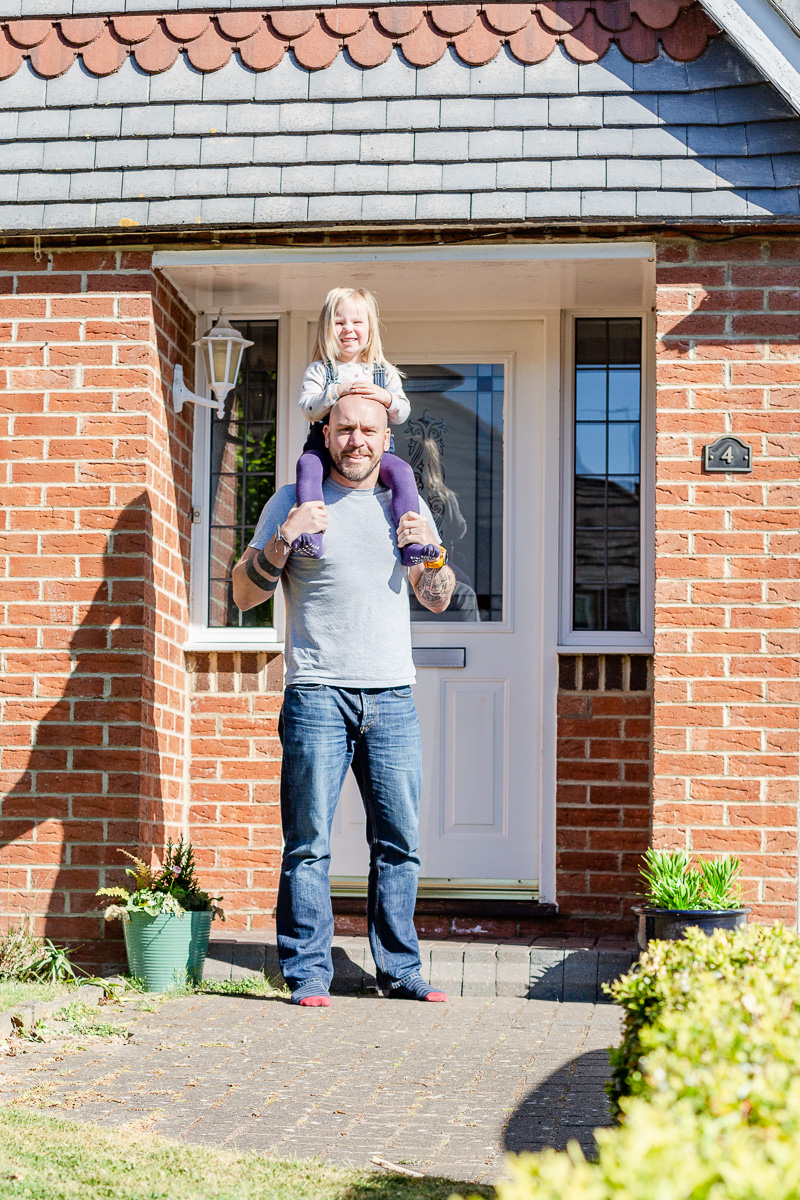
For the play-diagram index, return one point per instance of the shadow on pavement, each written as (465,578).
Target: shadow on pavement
(569,1105)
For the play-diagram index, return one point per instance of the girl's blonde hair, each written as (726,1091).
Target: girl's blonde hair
(327,347)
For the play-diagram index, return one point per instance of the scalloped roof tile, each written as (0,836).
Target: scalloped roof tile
(585,28)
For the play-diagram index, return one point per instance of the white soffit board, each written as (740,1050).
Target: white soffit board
(766,37)
(354,254)
(434,280)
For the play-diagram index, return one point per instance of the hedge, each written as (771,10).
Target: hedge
(706,1083)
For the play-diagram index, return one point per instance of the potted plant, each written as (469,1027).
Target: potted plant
(166,919)
(679,895)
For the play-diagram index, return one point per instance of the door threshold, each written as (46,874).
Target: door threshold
(526,890)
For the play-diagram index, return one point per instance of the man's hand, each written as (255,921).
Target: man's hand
(255,576)
(311,517)
(414,529)
(371,390)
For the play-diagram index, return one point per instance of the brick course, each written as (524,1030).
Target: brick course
(603,789)
(727,700)
(234,820)
(95,564)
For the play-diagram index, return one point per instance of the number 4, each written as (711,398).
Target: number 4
(727,455)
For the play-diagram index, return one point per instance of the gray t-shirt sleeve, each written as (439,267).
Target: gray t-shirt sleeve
(273,514)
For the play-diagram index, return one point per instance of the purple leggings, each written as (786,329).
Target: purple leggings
(397,475)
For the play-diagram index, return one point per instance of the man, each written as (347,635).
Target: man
(348,700)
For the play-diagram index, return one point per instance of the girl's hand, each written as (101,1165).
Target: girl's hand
(382,395)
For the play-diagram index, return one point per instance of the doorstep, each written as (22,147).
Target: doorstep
(562,969)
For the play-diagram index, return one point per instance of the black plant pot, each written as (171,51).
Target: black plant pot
(670,924)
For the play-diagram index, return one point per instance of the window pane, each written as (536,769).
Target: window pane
(623,448)
(590,448)
(624,394)
(454,442)
(606,496)
(590,394)
(242,471)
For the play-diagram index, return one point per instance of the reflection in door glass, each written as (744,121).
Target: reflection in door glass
(454,442)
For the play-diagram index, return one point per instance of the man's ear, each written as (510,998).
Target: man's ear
(326,429)
(387,439)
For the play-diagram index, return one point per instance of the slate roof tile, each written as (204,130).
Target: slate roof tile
(476,32)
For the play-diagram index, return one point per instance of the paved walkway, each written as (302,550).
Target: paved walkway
(445,1088)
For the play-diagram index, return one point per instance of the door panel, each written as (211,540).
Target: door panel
(473,439)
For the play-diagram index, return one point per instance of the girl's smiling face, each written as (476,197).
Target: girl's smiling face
(351,325)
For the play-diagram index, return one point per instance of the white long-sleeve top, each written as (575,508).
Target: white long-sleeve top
(317,400)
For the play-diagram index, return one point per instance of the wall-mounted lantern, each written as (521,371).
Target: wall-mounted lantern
(222,347)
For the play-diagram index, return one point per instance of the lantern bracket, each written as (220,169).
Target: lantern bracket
(181,395)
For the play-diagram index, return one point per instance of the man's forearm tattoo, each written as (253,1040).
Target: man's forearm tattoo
(436,587)
(269,580)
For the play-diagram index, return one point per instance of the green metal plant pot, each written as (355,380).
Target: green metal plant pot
(167,951)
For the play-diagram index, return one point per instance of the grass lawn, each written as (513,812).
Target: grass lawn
(13,992)
(43,1158)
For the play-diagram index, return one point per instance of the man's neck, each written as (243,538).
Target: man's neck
(361,485)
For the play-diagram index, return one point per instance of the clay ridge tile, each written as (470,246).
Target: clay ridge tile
(421,32)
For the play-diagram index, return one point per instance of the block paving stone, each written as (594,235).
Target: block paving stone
(446,1088)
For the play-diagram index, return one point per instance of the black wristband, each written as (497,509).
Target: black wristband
(269,569)
(266,585)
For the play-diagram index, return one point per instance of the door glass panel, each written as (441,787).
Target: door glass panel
(454,442)
(242,472)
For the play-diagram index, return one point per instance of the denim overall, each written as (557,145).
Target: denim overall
(316,438)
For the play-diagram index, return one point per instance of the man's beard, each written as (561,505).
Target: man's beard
(356,472)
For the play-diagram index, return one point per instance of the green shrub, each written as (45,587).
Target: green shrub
(664,1153)
(706,1081)
(697,1008)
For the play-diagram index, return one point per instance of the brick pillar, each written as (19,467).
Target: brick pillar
(96,536)
(603,787)
(235,821)
(726,666)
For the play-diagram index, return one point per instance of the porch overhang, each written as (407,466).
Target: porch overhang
(415,280)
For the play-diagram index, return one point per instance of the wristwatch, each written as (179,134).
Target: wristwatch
(439,562)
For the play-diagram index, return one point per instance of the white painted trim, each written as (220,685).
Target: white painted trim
(579,641)
(200,635)
(766,38)
(228,642)
(541,251)
(551,537)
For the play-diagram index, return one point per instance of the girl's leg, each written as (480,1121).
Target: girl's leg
(399,477)
(311,468)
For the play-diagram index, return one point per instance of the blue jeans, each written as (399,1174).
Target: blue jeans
(324,730)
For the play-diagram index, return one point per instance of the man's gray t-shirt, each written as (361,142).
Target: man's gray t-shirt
(347,613)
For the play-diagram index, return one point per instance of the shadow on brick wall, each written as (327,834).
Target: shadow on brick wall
(92,782)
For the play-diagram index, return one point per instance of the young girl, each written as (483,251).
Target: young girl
(348,357)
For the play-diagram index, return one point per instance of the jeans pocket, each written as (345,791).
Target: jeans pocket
(403,692)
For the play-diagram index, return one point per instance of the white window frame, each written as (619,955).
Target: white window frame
(576,641)
(202,636)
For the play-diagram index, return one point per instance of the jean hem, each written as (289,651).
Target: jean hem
(311,987)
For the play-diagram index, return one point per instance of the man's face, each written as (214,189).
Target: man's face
(357,436)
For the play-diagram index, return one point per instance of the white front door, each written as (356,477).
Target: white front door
(475,439)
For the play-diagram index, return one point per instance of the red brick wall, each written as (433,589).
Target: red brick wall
(603,787)
(94,546)
(235,820)
(728,560)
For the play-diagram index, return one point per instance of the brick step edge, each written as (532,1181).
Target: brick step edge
(29,1012)
(565,974)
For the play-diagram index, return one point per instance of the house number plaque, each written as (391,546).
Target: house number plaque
(728,453)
